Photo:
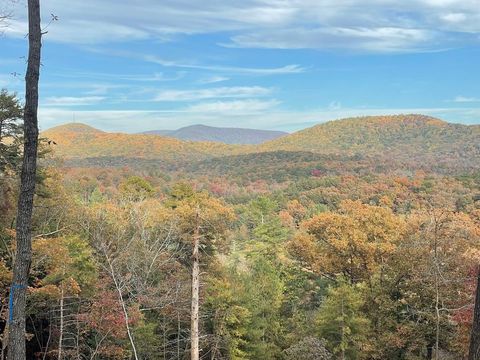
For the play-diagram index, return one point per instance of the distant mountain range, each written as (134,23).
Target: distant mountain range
(220,134)
(386,142)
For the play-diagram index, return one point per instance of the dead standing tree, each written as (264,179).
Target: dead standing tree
(23,256)
(194,334)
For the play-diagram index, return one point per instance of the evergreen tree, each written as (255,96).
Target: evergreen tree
(341,323)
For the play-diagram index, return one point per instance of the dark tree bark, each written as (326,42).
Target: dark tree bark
(474,352)
(23,256)
(429,351)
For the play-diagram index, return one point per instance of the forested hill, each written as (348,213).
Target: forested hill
(220,134)
(79,141)
(405,138)
(373,134)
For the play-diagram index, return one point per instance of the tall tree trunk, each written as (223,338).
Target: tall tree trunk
(343,333)
(437,272)
(437,321)
(429,355)
(194,350)
(4,342)
(60,336)
(474,352)
(178,336)
(21,268)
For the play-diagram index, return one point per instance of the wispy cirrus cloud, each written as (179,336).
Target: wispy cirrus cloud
(213,79)
(379,39)
(465,99)
(153,77)
(92,32)
(370,25)
(211,93)
(72,100)
(248,106)
(287,69)
(195,65)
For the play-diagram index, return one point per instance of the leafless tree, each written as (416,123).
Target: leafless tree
(134,254)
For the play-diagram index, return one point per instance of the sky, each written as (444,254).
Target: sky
(131,66)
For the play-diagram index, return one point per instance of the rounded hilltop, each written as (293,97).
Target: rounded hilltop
(399,118)
(373,134)
(73,128)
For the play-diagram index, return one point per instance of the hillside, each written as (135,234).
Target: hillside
(412,140)
(220,134)
(79,141)
(278,166)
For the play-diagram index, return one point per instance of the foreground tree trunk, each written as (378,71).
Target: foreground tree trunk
(194,349)
(474,352)
(21,268)
(60,336)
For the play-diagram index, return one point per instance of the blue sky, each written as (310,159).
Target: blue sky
(272,64)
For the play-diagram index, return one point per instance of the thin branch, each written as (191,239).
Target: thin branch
(50,233)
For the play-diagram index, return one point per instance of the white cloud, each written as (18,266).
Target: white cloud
(16,28)
(288,69)
(99,89)
(155,77)
(71,100)
(454,17)
(380,40)
(220,92)
(213,79)
(239,106)
(184,64)
(411,24)
(82,31)
(464,99)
